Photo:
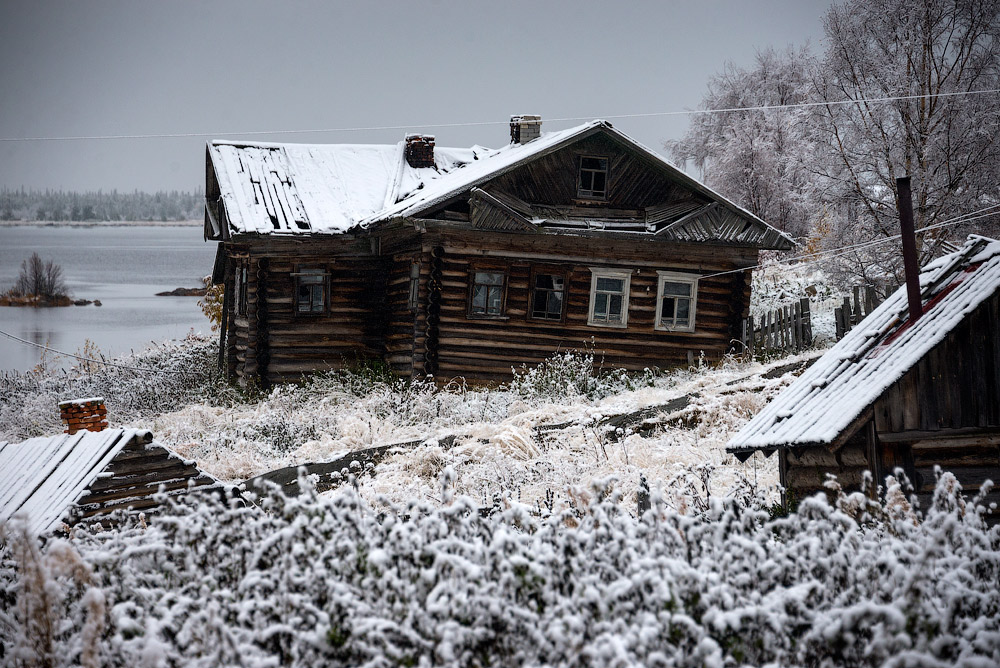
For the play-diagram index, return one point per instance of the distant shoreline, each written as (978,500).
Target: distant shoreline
(101,223)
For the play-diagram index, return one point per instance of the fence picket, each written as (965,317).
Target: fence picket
(785,329)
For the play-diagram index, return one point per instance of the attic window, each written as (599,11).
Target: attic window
(593,183)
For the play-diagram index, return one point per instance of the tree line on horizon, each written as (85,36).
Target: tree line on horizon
(100,205)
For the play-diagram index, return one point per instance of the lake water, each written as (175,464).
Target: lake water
(123,267)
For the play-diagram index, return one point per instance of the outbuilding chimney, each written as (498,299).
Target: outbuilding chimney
(80,414)
(910,264)
(524,128)
(420,150)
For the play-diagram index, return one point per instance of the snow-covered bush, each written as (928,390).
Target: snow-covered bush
(309,581)
(573,374)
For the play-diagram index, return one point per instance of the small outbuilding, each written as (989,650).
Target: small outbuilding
(896,393)
(56,481)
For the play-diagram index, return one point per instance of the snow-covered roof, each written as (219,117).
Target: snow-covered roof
(827,398)
(318,188)
(43,477)
(299,188)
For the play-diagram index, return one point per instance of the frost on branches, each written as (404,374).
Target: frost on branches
(312,581)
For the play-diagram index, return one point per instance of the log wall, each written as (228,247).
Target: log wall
(486,349)
(135,476)
(274,343)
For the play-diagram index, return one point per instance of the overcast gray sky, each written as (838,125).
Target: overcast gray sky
(109,68)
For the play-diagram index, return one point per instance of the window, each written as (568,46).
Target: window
(240,290)
(609,297)
(413,300)
(593,178)
(310,290)
(675,301)
(486,298)
(547,296)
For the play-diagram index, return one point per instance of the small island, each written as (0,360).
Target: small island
(40,284)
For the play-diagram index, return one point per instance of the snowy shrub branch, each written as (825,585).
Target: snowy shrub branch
(310,581)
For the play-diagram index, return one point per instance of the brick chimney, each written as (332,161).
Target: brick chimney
(420,150)
(524,128)
(80,414)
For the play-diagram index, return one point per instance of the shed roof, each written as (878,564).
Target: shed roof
(820,405)
(303,189)
(43,478)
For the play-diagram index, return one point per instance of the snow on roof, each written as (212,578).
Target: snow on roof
(43,477)
(825,400)
(329,188)
(325,188)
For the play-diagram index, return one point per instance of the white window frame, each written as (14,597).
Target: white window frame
(675,277)
(601,272)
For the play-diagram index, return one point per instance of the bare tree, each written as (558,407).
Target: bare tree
(942,51)
(40,279)
(758,157)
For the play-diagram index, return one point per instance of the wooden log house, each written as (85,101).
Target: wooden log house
(470,262)
(899,394)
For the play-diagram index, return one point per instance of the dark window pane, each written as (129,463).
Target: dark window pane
(554,305)
(610,284)
(598,181)
(538,307)
(667,309)
(600,306)
(683,309)
(677,289)
(615,309)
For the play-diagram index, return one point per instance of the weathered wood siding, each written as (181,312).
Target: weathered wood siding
(135,475)
(803,471)
(274,343)
(487,348)
(956,385)
(552,179)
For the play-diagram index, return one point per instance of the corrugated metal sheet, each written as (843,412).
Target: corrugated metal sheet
(822,403)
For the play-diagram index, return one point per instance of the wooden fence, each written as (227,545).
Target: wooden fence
(854,311)
(787,329)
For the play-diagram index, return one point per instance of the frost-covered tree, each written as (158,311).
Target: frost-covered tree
(945,140)
(758,157)
(835,165)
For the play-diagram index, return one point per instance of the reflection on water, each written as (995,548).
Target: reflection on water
(123,267)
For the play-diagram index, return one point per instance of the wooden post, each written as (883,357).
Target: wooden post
(910,264)
(227,303)
(807,334)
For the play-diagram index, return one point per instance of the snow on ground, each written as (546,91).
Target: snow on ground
(777,284)
(505,445)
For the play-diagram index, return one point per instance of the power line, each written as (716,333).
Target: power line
(89,359)
(374,128)
(813,258)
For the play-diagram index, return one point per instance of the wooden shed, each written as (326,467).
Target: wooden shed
(56,481)
(899,394)
(470,262)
